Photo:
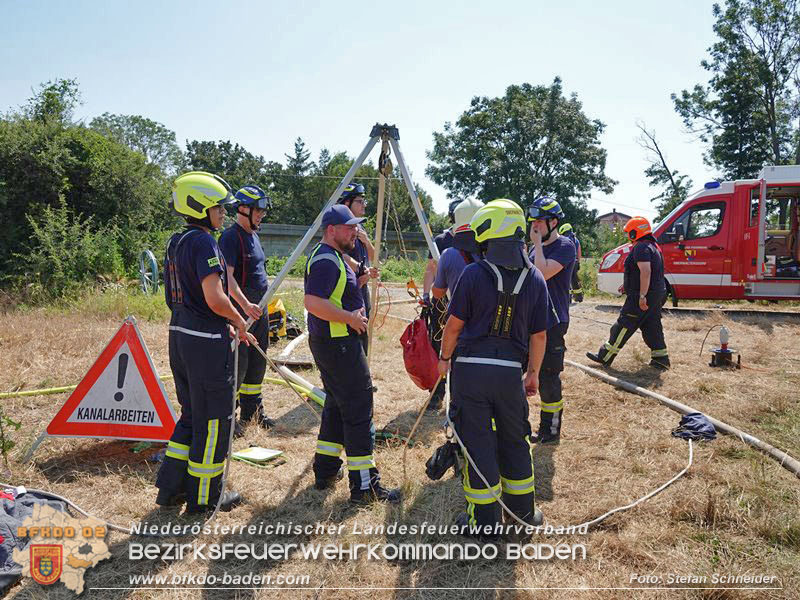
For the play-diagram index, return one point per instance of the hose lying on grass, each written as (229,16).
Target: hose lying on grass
(783,458)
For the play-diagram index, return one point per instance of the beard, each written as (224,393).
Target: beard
(345,244)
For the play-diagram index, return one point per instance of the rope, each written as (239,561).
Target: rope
(386,218)
(416,423)
(397,228)
(574,316)
(659,489)
(388,304)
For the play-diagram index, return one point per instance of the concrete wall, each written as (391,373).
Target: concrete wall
(280,240)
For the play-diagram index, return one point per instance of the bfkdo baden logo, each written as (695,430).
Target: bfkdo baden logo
(46,562)
(61,547)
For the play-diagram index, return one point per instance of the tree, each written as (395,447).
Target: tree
(745,111)
(144,135)
(55,100)
(97,176)
(675,187)
(529,143)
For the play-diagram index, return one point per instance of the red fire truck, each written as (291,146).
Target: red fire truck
(731,240)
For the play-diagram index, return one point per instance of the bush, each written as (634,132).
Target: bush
(66,252)
(275,264)
(400,269)
(601,240)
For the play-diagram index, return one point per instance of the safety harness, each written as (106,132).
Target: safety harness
(504,314)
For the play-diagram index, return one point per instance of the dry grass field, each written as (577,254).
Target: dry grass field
(735,512)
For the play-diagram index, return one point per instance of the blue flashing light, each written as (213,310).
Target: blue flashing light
(711,185)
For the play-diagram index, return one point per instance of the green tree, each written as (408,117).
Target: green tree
(674,187)
(529,143)
(144,135)
(55,101)
(239,167)
(43,156)
(745,111)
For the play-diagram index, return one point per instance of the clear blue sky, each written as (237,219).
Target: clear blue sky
(263,73)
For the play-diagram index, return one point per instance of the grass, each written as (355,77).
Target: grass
(735,512)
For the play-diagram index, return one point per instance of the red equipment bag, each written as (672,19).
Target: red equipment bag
(419,356)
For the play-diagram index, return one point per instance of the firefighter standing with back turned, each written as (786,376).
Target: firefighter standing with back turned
(196,289)
(553,255)
(499,313)
(336,318)
(434,311)
(247,279)
(451,264)
(645,290)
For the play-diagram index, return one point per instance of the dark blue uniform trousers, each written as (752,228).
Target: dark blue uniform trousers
(631,318)
(202,363)
(482,392)
(552,404)
(252,366)
(347,414)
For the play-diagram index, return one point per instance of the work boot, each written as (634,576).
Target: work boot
(435,404)
(545,438)
(166,498)
(579,297)
(328,482)
(238,429)
(464,528)
(662,363)
(230,500)
(375,493)
(257,412)
(598,359)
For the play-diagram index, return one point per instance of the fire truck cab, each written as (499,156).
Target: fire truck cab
(731,240)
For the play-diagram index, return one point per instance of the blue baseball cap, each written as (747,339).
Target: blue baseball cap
(339,214)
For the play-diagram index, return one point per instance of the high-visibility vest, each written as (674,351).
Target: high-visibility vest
(338,329)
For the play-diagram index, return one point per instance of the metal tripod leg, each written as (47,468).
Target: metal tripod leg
(276,282)
(423,220)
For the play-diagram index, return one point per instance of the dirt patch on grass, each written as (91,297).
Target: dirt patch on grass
(734,513)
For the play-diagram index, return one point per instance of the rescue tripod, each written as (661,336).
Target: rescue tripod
(389,136)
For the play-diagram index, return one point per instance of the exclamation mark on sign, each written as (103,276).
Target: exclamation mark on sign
(122,367)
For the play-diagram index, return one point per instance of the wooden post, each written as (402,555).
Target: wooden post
(378,241)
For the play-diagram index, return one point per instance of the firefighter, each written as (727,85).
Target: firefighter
(645,291)
(247,280)
(363,254)
(451,263)
(196,289)
(553,255)
(336,319)
(575,286)
(435,311)
(499,313)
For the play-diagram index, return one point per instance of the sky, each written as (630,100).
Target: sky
(263,73)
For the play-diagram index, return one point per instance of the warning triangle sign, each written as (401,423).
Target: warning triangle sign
(121,396)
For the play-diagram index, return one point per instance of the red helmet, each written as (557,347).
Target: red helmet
(637,228)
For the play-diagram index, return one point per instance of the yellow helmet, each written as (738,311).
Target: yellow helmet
(497,220)
(195,192)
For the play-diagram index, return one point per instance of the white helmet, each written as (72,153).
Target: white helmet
(464,213)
